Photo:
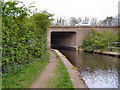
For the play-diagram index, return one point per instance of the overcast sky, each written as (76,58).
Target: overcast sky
(77,8)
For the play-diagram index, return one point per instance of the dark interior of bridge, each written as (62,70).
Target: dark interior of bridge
(62,39)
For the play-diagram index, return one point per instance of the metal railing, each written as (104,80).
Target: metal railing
(113,43)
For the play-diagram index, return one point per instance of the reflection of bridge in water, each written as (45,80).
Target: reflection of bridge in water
(71,36)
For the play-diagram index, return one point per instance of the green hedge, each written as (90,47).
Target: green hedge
(24,34)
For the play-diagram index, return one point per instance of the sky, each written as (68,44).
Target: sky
(77,8)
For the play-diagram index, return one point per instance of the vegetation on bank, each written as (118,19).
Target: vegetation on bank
(61,78)
(95,40)
(23,36)
(25,77)
(24,40)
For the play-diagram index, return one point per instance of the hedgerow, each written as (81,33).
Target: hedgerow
(24,34)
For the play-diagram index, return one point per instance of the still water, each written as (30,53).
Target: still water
(98,71)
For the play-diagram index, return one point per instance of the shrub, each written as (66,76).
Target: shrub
(98,41)
(23,36)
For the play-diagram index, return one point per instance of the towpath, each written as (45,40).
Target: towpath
(48,73)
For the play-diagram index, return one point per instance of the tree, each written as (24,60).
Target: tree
(79,19)
(73,21)
(43,22)
(109,21)
(94,21)
(61,21)
(86,19)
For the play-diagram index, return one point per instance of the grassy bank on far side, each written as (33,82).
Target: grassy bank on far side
(61,78)
(29,75)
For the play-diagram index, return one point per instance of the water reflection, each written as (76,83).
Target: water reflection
(98,71)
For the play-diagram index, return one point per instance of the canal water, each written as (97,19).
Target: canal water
(98,71)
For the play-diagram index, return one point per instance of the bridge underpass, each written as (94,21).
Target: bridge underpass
(63,39)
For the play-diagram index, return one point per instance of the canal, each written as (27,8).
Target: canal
(98,71)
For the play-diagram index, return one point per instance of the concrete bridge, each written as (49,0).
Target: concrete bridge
(71,36)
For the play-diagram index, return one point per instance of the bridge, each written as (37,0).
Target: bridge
(71,36)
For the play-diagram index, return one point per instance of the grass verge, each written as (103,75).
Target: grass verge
(61,78)
(29,75)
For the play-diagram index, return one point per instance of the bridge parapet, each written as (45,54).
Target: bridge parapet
(83,27)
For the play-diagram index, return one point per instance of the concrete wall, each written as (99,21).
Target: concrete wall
(75,39)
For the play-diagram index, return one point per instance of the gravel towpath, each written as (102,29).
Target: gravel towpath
(47,73)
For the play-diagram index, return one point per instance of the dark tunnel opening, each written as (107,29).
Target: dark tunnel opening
(63,40)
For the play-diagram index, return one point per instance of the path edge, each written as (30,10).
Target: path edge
(76,78)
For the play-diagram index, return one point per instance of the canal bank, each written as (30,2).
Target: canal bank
(76,78)
(115,54)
